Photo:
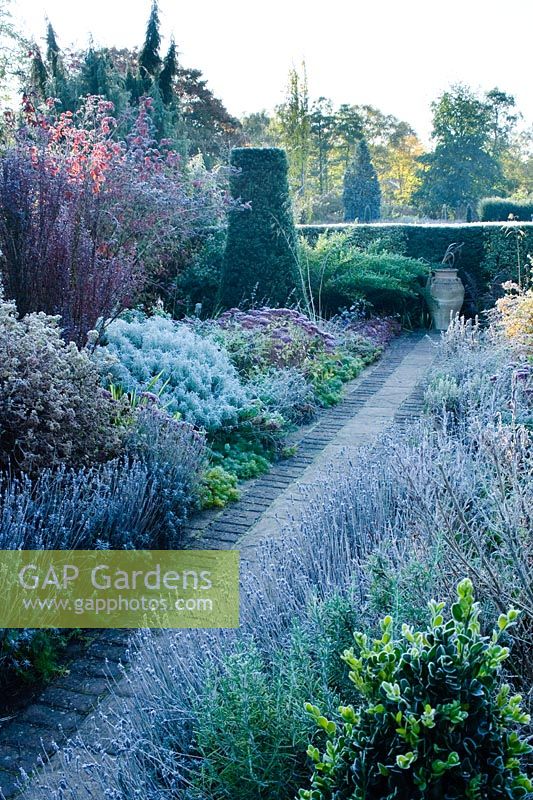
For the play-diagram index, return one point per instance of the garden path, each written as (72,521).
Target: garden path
(391,391)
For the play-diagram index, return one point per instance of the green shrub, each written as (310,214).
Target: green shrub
(52,410)
(261,253)
(218,488)
(342,274)
(488,257)
(29,657)
(496,209)
(435,721)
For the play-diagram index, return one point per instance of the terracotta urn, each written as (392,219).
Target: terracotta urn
(445,294)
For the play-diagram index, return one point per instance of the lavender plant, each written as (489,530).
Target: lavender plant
(136,501)
(141,500)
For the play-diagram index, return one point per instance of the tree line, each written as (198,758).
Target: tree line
(349,162)
(184,110)
(478,149)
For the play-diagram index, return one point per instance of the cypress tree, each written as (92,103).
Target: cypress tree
(362,195)
(149,60)
(59,83)
(38,74)
(94,73)
(167,75)
(261,250)
(53,53)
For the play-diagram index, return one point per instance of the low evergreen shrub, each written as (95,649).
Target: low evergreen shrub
(251,729)
(488,258)
(342,273)
(435,720)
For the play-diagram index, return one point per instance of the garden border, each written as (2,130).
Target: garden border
(33,736)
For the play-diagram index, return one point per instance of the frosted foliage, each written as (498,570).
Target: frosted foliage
(198,379)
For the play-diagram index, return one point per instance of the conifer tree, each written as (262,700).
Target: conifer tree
(362,194)
(38,73)
(94,74)
(53,53)
(167,75)
(100,76)
(149,60)
(261,249)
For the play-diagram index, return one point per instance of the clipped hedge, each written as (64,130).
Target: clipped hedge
(488,258)
(260,261)
(498,209)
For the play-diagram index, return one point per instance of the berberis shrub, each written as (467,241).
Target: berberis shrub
(434,722)
(52,409)
(194,378)
(86,217)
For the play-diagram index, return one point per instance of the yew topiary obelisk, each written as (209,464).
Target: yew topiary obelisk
(261,257)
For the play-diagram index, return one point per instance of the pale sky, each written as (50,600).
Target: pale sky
(396,55)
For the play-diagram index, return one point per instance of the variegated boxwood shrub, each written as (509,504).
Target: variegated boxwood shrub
(430,715)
